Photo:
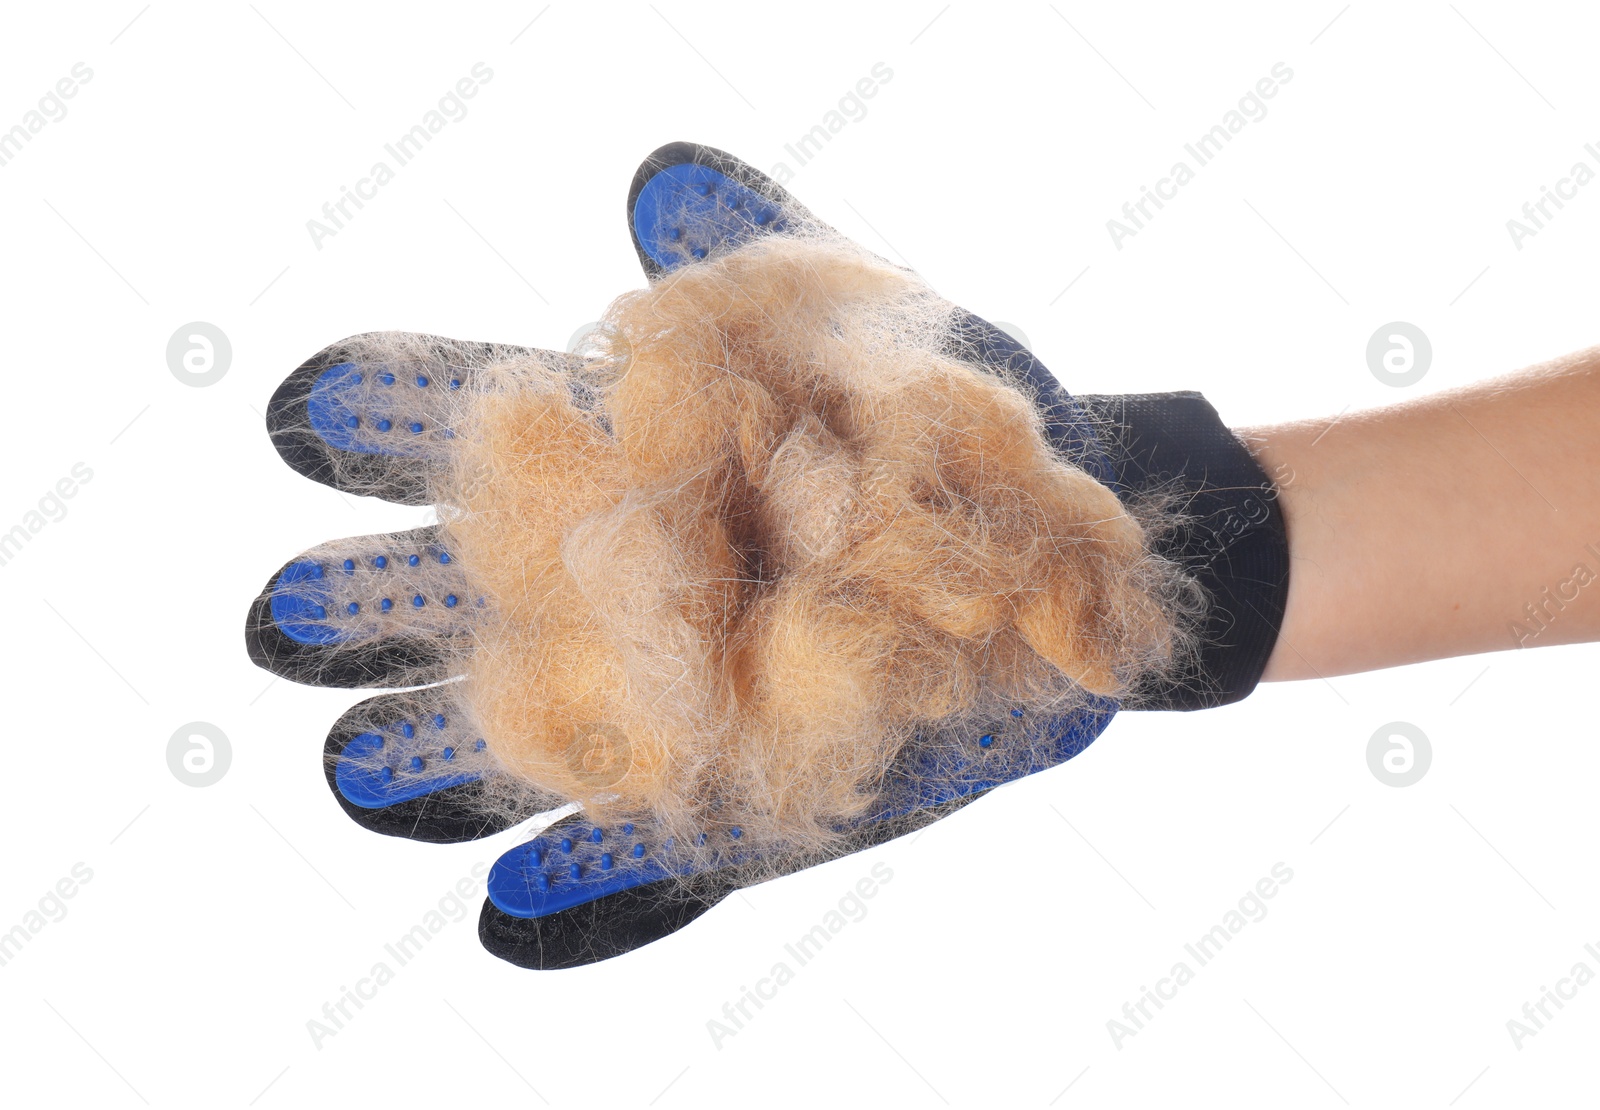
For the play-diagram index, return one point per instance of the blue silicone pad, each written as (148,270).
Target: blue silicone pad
(578,862)
(341,602)
(584,862)
(300,605)
(686,211)
(410,768)
(375,410)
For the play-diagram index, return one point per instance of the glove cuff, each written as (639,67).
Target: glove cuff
(1231,536)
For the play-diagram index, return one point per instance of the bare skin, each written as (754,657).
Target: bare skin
(1461,522)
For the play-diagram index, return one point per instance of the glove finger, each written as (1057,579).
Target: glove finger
(384,610)
(687,201)
(587,932)
(412,764)
(581,891)
(373,414)
(596,931)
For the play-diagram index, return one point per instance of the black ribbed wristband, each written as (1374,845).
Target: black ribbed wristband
(1231,536)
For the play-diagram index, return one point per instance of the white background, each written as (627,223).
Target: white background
(219,920)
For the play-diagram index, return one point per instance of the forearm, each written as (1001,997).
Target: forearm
(1462,522)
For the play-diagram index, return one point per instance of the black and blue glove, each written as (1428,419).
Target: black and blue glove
(373,414)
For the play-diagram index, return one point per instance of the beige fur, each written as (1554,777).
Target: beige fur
(784,534)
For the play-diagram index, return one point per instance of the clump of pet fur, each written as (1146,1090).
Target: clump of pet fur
(771,536)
